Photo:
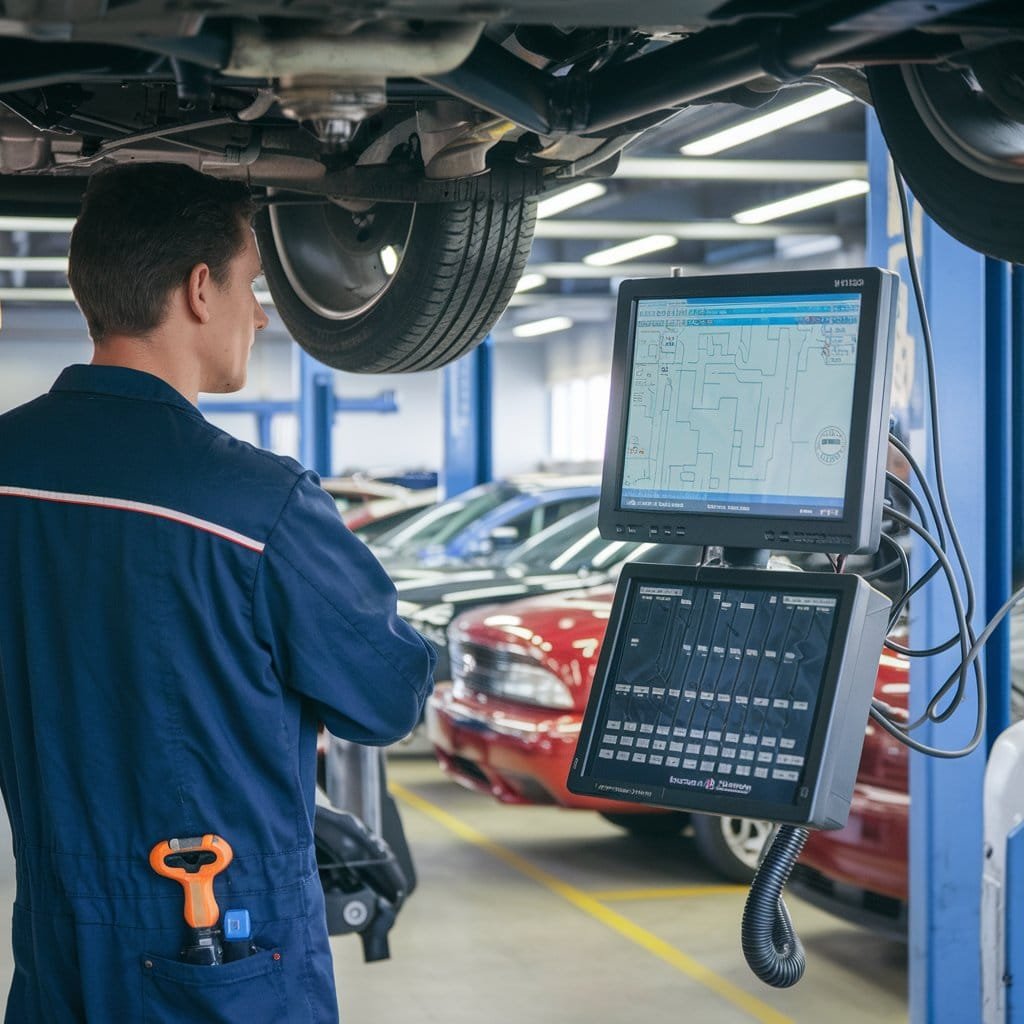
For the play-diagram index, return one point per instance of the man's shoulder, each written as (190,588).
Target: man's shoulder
(264,466)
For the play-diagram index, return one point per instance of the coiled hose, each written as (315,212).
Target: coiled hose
(771,947)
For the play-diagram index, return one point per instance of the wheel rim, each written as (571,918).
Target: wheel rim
(745,838)
(337,260)
(971,128)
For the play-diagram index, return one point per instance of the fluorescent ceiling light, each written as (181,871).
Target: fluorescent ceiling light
(827,99)
(36,223)
(738,169)
(629,250)
(803,201)
(529,281)
(66,295)
(695,230)
(793,247)
(537,327)
(34,264)
(569,198)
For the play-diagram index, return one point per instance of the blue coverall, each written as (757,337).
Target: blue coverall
(178,612)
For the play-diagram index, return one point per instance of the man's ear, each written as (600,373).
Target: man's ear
(197,292)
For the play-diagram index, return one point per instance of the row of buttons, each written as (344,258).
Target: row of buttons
(624,689)
(632,530)
(712,735)
(709,750)
(693,764)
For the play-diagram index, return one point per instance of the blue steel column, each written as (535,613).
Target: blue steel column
(315,413)
(946,796)
(468,420)
(999,505)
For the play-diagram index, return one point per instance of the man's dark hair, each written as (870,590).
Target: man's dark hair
(142,229)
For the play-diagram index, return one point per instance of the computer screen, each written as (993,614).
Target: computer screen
(717,690)
(751,411)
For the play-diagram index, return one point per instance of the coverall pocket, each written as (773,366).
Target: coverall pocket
(250,990)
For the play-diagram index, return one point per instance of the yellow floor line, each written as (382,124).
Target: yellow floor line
(749,1004)
(678,893)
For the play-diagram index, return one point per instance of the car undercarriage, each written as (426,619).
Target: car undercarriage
(398,148)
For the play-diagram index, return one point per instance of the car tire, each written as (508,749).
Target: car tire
(648,825)
(957,177)
(457,266)
(732,846)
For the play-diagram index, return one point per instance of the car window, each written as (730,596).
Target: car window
(442,522)
(376,528)
(539,551)
(556,510)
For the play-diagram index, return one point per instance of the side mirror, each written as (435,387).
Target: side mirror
(504,537)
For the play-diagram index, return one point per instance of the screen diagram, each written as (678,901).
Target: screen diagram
(741,405)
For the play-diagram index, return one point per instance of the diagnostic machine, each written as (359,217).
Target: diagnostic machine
(748,413)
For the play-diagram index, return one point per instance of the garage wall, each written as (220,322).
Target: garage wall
(585,352)
(36,344)
(521,429)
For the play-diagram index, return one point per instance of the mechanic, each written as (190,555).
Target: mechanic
(178,612)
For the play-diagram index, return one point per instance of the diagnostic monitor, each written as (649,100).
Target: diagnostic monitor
(751,411)
(732,691)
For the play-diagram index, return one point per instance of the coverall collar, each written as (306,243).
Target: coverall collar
(122,382)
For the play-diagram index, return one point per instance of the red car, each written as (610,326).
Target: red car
(508,725)
(860,871)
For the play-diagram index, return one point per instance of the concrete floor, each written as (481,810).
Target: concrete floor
(559,918)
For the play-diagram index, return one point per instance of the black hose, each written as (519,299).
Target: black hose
(771,947)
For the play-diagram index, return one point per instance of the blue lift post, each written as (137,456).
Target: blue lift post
(467,420)
(316,407)
(1014,880)
(964,299)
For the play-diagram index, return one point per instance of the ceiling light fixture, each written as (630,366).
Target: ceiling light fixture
(55,224)
(793,247)
(569,198)
(804,201)
(738,169)
(629,250)
(530,281)
(827,99)
(549,325)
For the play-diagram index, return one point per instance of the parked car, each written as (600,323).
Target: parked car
(859,872)
(566,556)
(508,723)
(426,130)
(475,525)
(375,518)
(354,492)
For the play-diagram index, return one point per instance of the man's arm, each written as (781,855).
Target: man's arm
(327,612)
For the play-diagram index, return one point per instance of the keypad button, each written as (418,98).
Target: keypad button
(791,759)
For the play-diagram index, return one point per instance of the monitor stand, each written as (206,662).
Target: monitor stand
(745,558)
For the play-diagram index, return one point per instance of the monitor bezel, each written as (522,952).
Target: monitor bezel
(636,574)
(859,528)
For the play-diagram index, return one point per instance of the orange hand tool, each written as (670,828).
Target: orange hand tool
(194,863)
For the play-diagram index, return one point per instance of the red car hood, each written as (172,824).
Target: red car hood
(562,632)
